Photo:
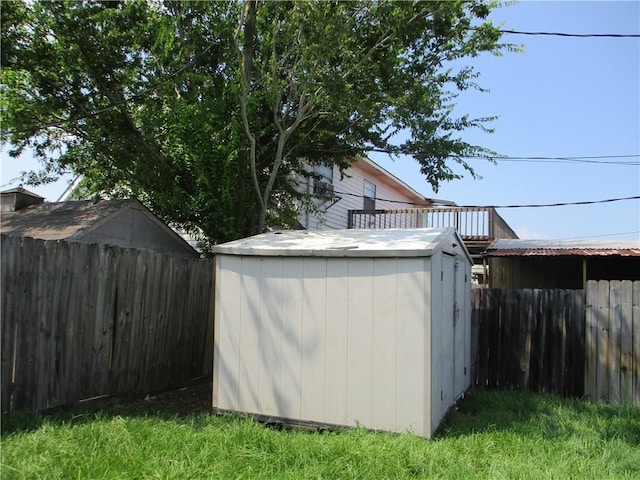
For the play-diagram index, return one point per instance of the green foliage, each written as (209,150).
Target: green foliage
(494,435)
(204,110)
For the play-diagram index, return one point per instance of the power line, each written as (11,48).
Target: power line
(576,157)
(563,34)
(564,160)
(596,159)
(602,235)
(538,205)
(559,204)
(574,35)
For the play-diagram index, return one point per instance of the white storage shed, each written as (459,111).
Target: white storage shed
(343,327)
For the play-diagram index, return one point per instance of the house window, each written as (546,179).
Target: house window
(323,181)
(369,194)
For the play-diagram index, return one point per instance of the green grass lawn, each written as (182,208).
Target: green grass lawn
(494,435)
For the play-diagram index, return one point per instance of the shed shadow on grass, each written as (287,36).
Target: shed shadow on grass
(191,400)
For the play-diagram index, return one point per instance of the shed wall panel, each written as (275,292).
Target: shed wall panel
(227,349)
(412,407)
(270,351)
(359,340)
(312,378)
(250,330)
(336,331)
(384,351)
(292,319)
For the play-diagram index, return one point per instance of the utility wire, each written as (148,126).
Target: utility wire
(587,159)
(533,159)
(559,204)
(574,158)
(565,161)
(192,62)
(602,235)
(538,205)
(562,34)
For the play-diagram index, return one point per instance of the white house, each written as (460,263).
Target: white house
(364,186)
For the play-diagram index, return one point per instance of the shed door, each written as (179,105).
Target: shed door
(446,369)
(460,334)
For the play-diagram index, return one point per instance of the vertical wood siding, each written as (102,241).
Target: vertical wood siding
(84,320)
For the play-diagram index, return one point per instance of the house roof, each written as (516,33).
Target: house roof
(514,247)
(400,242)
(60,220)
(80,220)
(23,191)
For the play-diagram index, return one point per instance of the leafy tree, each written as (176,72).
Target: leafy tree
(209,111)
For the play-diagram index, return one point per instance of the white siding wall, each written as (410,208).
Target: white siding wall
(331,340)
(350,191)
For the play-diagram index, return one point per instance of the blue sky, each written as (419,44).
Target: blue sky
(562,97)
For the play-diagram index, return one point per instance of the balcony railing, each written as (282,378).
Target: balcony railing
(476,224)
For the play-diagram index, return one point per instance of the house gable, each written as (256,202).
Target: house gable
(349,193)
(136,227)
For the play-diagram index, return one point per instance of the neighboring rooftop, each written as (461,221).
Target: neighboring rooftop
(125,223)
(516,247)
(58,221)
(18,198)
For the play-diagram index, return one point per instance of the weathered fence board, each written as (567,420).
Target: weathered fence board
(612,342)
(529,339)
(81,320)
(569,342)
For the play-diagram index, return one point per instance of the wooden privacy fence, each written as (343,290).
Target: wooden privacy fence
(529,340)
(82,320)
(554,341)
(612,341)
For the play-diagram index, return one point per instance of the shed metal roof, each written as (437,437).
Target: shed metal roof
(347,243)
(513,247)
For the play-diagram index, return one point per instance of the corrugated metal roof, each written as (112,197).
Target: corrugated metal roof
(400,242)
(513,247)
